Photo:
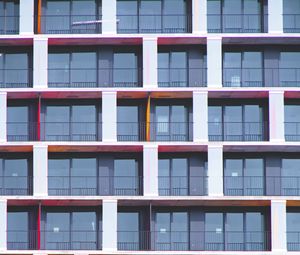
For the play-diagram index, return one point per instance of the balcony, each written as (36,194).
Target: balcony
(16,185)
(291,23)
(9,25)
(292,131)
(182,77)
(283,185)
(235,23)
(194,240)
(16,78)
(71,131)
(95,186)
(171,23)
(237,131)
(244,185)
(21,239)
(93,78)
(182,185)
(71,24)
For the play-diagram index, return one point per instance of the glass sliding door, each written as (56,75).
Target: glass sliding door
(289,69)
(150,16)
(214,231)
(126,179)
(18,232)
(9,17)
(215,123)
(129,231)
(175,19)
(59,73)
(171,231)
(293,230)
(292,122)
(253,124)
(233,123)
(18,126)
(129,127)
(232,69)
(290,177)
(291,16)
(59,177)
(255,237)
(233,177)
(171,123)
(84,177)
(232,16)
(127,14)
(57,231)
(234,232)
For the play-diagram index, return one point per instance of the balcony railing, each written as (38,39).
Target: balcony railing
(291,23)
(57,239)
(194,240)
(16,185)
(235,23)
(131,131)
(9,25)
(182,185)
(16,78)
(245,77)
(71,24)
(22,131)
(71,131)
(171,131)
(93,78)
(244,185)
(21,239)
(293,240)
(292,131)
(237,131)
(182,77)
(93,186)
(169,23)
(283,185)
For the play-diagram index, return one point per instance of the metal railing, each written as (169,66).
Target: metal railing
(92,77)
(9,25)
(244,185)
(243,77)
(71,131)
(169,23)
(182,77)
(16,78)
(22,131)
(16,185)
(21,239)
(194,240)
(293,240)
(291,23)
(292,131)
(71,24)
(171,131)
(237,131)
(93,185)
(182,185)
(283,185)
(57,239)
(131,131)
(235,23)
(282,77)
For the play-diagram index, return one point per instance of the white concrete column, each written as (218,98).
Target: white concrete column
(150,161)
(214,62)
(26,17)
(215,170)
(109,16)
(3,116)
(278,225)
(109,223)
(200,116)
(40,170)
(3,224)
(109,116)
(199,16)
(275,17)
(150,62)
(276,116)
(40,63)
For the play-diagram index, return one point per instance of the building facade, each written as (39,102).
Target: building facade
(149,127)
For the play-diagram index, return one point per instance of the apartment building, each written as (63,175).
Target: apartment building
(150,127)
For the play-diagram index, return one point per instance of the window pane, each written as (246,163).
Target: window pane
(234,231)
(16,176)
(128,230)
(59,64)
(58,180)
(234,177)
(180,176)
(214,231)
(125,68)
(163,231)
(179,228)
(164,177)
(57,19)
(17,230)
(18,122)
(125,176)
